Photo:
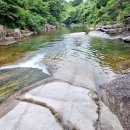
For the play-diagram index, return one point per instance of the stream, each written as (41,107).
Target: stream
(38,57)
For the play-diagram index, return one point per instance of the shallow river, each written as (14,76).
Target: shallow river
(34,59)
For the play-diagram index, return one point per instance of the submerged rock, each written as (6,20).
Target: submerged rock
(12,80)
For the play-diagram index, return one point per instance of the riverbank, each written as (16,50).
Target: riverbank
(12,40)
(115,32)
(10,36)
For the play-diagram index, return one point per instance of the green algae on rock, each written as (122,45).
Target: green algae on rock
(12,80)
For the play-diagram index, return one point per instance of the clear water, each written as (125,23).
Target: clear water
(107,57)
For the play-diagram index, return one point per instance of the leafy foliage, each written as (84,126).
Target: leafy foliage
(76,2)
(31,14)
(94,12)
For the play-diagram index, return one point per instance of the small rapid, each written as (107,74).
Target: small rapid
(35,62)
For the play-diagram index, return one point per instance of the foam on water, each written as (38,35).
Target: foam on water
(35,62)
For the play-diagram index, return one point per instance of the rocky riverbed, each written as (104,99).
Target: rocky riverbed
(64,101)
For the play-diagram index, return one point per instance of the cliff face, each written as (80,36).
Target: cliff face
(116,95)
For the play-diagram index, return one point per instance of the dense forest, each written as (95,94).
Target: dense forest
(93,12)
(33,14)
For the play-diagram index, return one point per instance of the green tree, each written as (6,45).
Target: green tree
(76,2)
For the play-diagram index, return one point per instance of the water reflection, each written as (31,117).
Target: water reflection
(113,54)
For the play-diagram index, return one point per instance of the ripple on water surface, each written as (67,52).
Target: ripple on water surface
(27,60)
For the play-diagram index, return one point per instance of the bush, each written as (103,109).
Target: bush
(35,22)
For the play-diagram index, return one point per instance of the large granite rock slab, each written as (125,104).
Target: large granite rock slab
(66,101)
(27,116)
(116,95)
(73,102)
(79,74)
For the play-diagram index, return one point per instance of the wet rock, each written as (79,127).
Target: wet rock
(116,95)
(12,80)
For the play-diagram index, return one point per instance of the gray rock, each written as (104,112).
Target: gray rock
(116,95)
(108,121)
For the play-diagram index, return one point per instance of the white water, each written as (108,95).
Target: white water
(35,62)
